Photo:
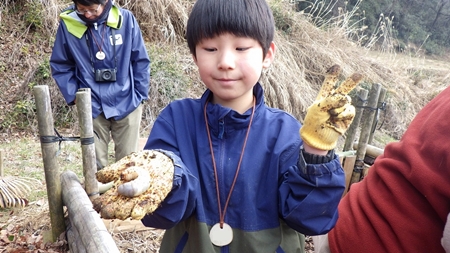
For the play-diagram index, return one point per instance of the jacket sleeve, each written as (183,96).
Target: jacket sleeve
(63,66)
(310,194)
(180,202)
(140,62)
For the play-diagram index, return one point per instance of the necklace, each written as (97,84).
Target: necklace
(221,234)
(100,54)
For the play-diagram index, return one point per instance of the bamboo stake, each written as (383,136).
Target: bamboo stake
(87,142)
(365,130)
(375,119)
(49,150)
(351,132)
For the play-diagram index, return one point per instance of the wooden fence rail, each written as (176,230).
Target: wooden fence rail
(357,157)
(86,231)
(49,151)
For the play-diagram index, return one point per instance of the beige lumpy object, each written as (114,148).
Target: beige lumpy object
(160,169)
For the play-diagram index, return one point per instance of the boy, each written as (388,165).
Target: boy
(244,180)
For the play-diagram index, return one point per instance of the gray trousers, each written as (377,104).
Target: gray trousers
(124,133)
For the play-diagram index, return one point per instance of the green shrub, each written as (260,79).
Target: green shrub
(34,14)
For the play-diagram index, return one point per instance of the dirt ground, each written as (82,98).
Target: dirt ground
(28,229)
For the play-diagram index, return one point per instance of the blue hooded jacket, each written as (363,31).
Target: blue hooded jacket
(276,193)
(73,61)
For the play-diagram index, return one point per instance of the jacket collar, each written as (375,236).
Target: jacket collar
(77,27)
(232,119)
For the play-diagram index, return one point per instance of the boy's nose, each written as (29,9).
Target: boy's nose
(226,61)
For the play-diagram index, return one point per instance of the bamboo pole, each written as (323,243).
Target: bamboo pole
(381,99)
(88,233)
(365,130)
(49,150)
(351,132)
(87,142)
(371,150)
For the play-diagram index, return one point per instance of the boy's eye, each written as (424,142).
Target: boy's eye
(241,48)
(210,49)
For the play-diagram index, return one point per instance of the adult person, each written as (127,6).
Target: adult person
(245,181)
(100,46)
(403,204)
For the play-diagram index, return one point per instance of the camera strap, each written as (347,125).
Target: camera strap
(91,57)
(113,31)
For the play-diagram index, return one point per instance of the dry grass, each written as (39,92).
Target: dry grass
(304,52)
(305,49)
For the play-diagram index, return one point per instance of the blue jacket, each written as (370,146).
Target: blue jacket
(73,62)
(276,192)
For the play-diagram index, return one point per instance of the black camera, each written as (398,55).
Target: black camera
(105,75)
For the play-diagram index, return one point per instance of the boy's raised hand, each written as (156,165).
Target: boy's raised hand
(331,113)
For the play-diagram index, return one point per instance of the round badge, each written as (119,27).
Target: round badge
(221,236)
(100,55)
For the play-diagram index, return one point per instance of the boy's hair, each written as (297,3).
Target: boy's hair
(242,18)
(89,2)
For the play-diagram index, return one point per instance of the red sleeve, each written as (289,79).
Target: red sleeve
(402,204)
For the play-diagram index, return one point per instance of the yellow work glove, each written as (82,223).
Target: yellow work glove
(331,113)
(142,180)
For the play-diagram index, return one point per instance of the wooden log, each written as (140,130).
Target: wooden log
(87,142)
(74,242)
(365,131)
(84,219)
(351,132)
(49,150)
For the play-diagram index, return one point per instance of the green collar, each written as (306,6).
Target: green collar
(77,27)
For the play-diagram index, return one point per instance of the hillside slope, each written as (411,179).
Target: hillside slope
(304,53)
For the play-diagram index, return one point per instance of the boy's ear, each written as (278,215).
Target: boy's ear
(270,55)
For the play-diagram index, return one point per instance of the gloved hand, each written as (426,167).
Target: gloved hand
(331,113)
(142,180)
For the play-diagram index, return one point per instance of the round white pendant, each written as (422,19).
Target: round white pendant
(221,236)
(100,55)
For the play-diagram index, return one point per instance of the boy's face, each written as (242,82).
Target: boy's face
(230,66)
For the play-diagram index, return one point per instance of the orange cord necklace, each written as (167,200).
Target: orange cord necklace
(221,233)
